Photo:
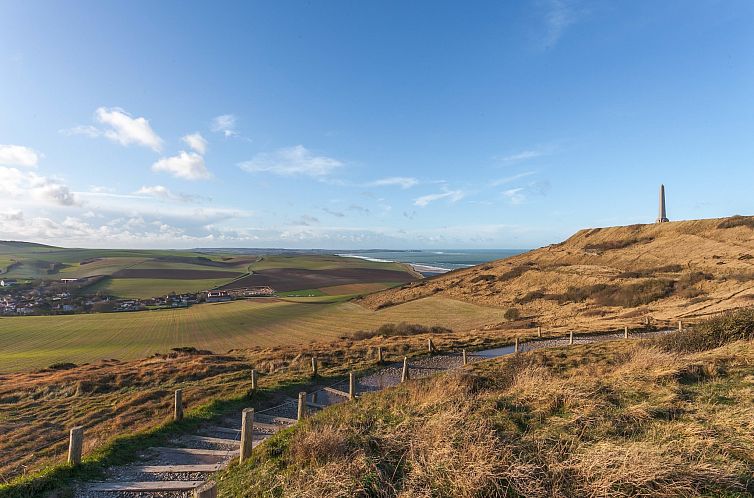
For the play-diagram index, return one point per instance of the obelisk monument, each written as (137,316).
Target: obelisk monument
(662,216)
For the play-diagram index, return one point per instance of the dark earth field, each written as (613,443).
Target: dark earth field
(290,279)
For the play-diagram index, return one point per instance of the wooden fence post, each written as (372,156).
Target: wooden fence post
(465,360)
(680,326)
(646,321)
(253,380)
(301,405)
(625,332)
(539,331)
(430,346)
(351,385)
(247,431)
(405,375)
(206,490)
(75,445)
(178,409)
(570,338)
(379,355)
(314,366)
(515,345)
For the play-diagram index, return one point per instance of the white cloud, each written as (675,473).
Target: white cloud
(127,130)
(523,155)
(515,195)
(18,155)
(197,142)
(292,161)
(29,186)
(225,124)
(559,15)
(86,130)
(509,179)
(120,128)
(399,181)
(450,195)
(161,192)
(186,165)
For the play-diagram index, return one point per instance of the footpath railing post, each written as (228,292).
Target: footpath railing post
(75,445)
(539,331)
(247,432)
(430,346)
(379,355)
(206,490)
(178,409)
(465,359)
(515,345)
(314,366)
(301,405)
(253,380)
(570,338)
(625,332)
(405,375)
(680,325)
(351,385)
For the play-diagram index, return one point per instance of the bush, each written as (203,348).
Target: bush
(512,314)
(710,334)
(531,296)
(649,272)
(401,329)
(737,221)
(617,244)
(627,296)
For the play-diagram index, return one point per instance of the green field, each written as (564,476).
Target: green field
(144,288)
(161,271)
(38,341)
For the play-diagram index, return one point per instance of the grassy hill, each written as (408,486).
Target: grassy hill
(608,277)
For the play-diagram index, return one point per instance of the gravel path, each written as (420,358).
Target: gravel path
(383,378)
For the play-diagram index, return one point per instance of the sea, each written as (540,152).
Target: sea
(434,262)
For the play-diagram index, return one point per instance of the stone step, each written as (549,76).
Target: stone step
(212,440)
(146,486)
(336,391)
(195,451)
(157,469)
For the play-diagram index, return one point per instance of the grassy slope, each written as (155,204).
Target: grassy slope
(34,342)
(152,287)
(111,398)
(595,256)
(610,419)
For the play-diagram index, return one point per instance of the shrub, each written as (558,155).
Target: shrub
(627,296)
(485,277)
(649,272)
(401,329)
(617,244)
(737,221)
(531,296)
(710,334)
(512,314)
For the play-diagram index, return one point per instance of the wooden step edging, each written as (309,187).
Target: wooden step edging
(194,451)
(179,468)
(146,486)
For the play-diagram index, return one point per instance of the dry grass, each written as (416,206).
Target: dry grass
(610,419)
(687,269)
(113,398)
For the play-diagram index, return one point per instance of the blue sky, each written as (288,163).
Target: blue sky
(388,124)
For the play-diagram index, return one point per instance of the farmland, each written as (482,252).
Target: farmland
(38,341)
(150,273)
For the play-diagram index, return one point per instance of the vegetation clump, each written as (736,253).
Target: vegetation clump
(402,329)
(737,221)
(512,314)
(617,244)
(713,333)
